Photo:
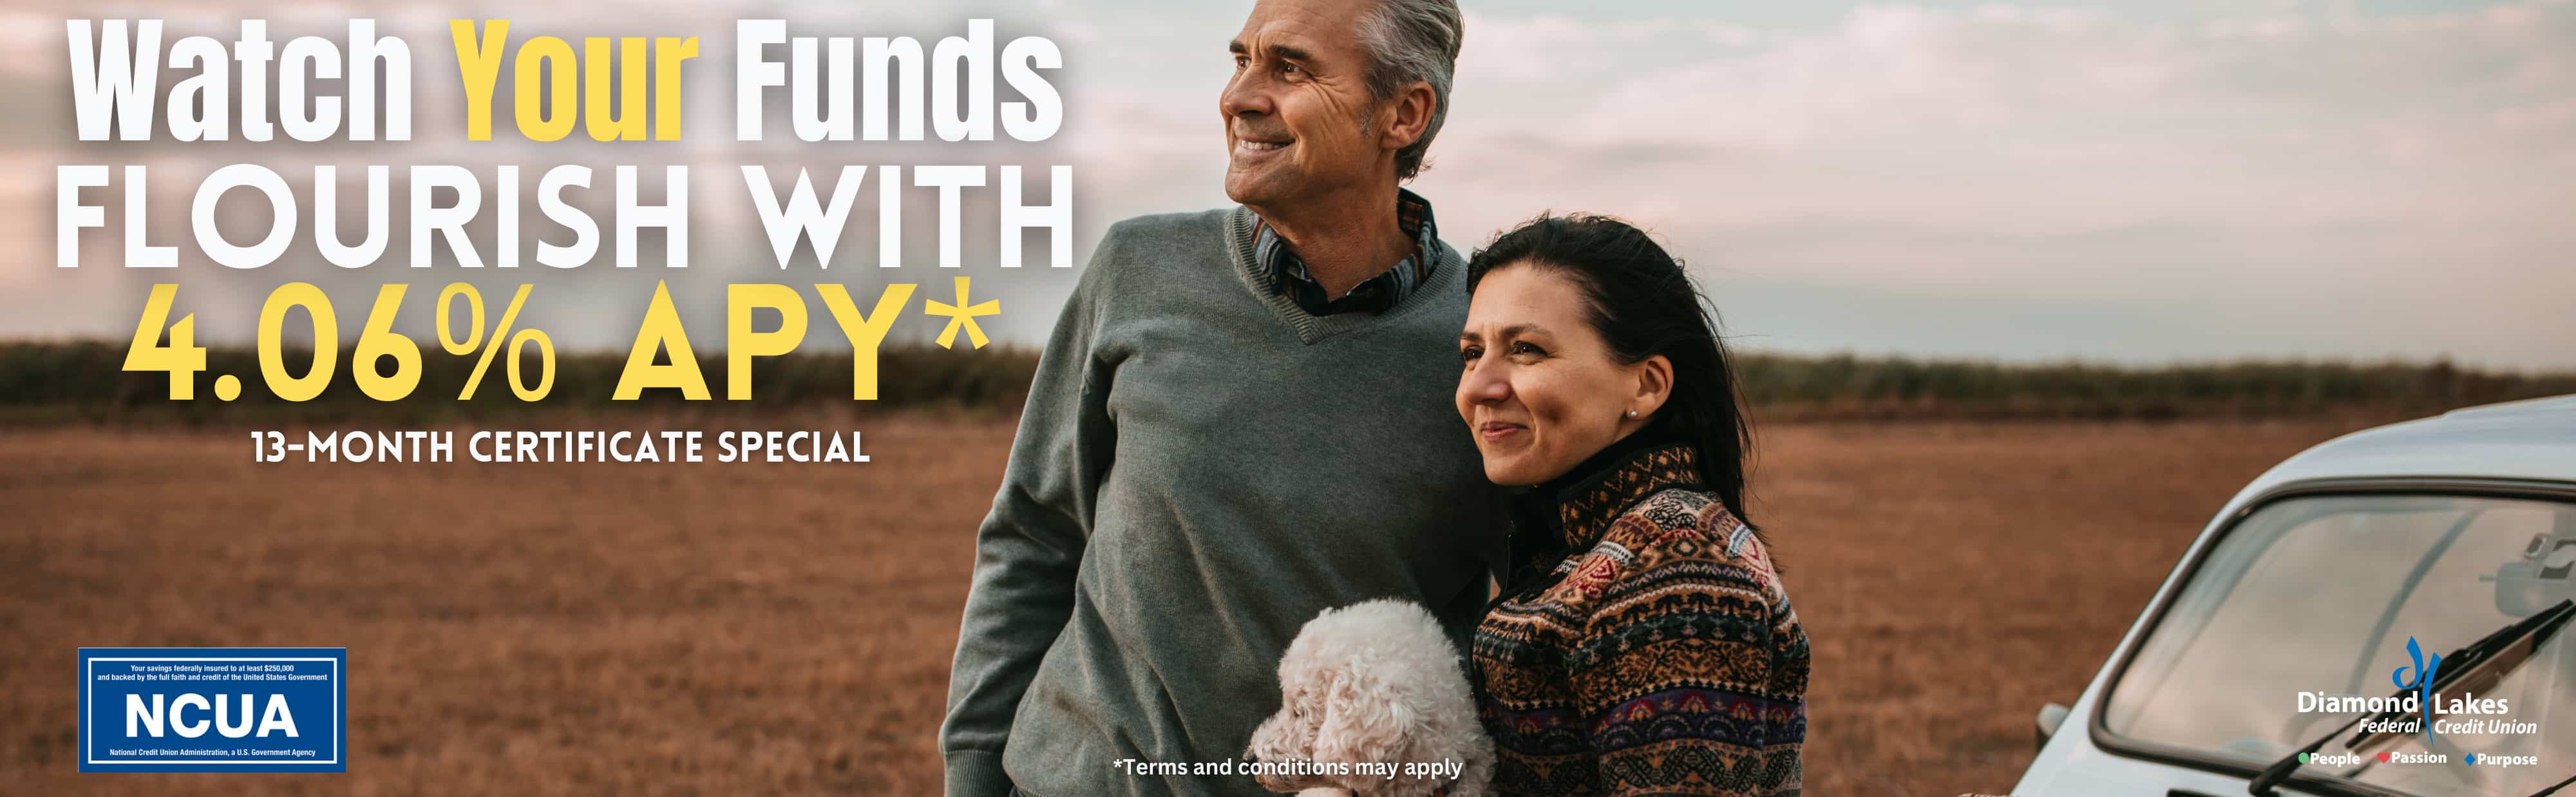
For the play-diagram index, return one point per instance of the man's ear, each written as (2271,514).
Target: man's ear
(1409,113)
(1654,385)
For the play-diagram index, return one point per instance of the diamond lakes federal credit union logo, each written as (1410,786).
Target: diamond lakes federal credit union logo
(2383,715)
(2420,675)
(2421,680)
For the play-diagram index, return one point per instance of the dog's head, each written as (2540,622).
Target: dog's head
(1359,684)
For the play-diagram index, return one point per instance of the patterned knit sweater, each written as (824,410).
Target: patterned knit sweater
(1659,656)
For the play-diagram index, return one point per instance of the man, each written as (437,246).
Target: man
(1243,418)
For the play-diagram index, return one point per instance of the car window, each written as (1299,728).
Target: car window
(2308,605)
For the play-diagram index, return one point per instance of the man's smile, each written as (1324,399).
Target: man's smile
(1246,143)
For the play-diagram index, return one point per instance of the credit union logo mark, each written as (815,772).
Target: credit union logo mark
(2419,677)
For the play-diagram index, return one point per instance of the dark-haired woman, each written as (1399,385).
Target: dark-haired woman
(1643,644)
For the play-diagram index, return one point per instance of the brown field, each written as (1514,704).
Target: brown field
(730,629)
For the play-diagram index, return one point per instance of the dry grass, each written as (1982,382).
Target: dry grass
(1956,577)
(729,629)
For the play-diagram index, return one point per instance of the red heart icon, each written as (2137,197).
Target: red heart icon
(2383,758)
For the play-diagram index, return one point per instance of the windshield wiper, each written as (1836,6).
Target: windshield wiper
(2476,666)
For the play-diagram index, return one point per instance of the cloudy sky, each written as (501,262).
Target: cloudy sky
(2138,182)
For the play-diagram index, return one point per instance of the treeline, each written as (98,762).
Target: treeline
(84,381)
(1844,386)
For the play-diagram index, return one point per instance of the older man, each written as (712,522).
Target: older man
(1243,418)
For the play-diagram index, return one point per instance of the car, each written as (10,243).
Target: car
(2380,614)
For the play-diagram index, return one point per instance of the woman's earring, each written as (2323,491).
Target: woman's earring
(1632,413)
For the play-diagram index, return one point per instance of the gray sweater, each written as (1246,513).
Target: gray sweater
(1201,467)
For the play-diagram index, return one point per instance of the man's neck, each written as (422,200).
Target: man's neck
(1343,239)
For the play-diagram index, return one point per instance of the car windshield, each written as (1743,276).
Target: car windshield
(2311,600)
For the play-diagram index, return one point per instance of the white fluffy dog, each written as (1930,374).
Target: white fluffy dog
(1372,688)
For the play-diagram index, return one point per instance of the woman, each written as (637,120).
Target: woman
(1643,644)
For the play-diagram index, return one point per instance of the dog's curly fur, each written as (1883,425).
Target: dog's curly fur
(1374,682)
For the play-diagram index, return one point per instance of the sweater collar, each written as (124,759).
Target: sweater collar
(1571,513)
(1287,271)
(1442,283)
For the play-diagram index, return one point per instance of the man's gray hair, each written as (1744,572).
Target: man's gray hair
(1406,41)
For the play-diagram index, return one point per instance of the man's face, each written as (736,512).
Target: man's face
(1298,110)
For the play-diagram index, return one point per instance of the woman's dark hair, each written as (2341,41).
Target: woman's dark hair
(1640,301)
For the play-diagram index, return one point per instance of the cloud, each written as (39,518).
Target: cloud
(2286,181)
(2222,178)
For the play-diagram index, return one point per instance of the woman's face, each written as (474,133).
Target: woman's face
(1538,387)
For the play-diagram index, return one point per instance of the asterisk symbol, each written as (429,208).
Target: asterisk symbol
(962,314)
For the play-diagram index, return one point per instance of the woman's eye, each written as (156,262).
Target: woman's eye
(1528,348)
(1469,354)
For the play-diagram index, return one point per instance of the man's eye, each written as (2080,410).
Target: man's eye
(1290,69)
(1240,62)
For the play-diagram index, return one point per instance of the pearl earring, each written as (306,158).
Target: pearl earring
(1632,413)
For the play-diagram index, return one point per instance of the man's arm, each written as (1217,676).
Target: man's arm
(1029,547)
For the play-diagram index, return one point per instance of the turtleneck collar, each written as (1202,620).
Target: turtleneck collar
(1570,513)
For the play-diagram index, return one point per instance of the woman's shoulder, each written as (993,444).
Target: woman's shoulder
(1690,518)
(1693,531)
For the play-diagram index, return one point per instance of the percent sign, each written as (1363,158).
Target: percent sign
(509,315)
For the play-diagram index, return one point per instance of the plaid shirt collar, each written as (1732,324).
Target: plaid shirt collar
(1375,294)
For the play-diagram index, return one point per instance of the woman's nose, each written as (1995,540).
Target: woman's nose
(1488,385)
